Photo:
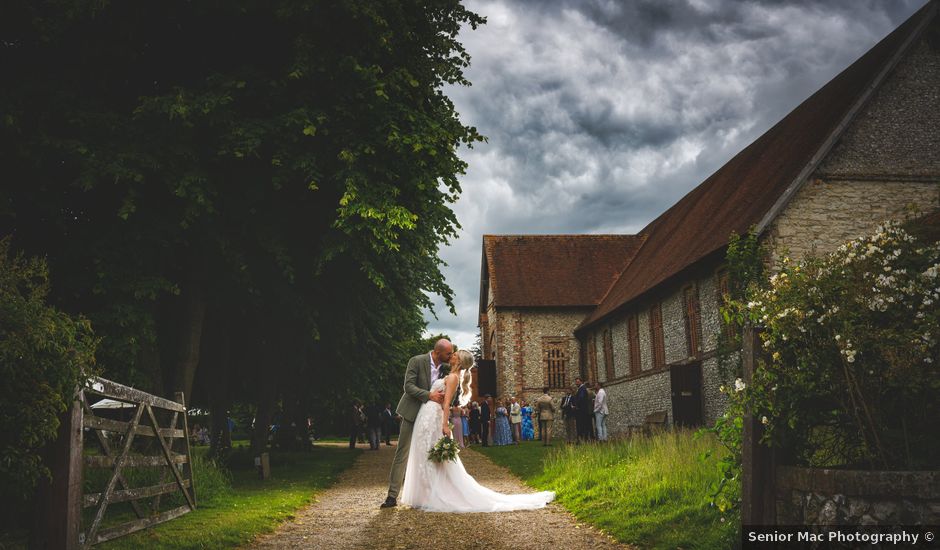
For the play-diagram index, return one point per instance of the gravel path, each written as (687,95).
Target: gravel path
(347,515)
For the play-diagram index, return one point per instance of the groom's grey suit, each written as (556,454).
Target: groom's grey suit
(417,392)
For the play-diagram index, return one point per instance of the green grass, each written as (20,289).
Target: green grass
(651,492)
(228,518)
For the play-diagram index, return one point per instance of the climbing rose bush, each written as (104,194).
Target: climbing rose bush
(848,370)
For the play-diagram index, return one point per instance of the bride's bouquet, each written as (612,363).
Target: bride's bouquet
(445,449)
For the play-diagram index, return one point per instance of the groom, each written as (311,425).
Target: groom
(422,371)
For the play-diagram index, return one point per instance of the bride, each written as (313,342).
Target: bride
(446,486)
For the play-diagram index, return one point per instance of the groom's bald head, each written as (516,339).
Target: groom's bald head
(443,349)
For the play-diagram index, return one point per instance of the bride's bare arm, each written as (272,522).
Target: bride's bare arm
(450,386)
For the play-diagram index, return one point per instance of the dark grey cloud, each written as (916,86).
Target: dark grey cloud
(601,114)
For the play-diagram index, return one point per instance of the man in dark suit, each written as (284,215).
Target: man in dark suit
(374,425)
(485,420)
(567,411)
(582,409)
(388,423)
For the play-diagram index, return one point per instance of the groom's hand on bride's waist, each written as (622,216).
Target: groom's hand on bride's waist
(437,396)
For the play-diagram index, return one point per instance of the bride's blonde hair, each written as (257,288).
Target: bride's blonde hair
(462,367)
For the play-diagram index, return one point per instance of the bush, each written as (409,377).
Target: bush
(43,354)
(849,374)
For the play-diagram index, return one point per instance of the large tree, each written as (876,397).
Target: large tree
(283,165)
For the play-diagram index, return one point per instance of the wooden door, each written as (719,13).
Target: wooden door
(686,382)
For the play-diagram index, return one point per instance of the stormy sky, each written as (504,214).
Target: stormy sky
(601,114)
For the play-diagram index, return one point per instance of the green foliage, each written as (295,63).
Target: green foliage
(43,355)
(745,258)
(291,163)
(645,491)
(744,261)
(850,367)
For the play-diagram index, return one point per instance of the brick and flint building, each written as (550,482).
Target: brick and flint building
(641,312)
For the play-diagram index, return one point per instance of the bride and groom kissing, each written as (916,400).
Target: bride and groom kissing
(434,381)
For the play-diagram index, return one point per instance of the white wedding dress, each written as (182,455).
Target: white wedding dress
(447,487)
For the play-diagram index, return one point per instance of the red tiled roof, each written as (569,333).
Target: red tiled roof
(554,270)
(742,192)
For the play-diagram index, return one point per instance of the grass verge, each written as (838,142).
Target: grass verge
(651,492)
(229,518)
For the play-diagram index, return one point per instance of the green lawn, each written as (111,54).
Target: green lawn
(651,492)
(229,518)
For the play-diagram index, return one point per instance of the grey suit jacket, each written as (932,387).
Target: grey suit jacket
(417,387)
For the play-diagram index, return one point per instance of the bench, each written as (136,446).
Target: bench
(654,422)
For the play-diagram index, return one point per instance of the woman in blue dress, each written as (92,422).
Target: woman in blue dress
(503,435)
(465,419)
(528,431)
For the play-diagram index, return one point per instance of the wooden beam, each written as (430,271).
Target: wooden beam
(57,507)
(137,525)
(103,441)
(118,466)
(92,499)
(118,426)
(108,388)
(156,502)
(189,466)
(758,491)
(134,461)
(169,458)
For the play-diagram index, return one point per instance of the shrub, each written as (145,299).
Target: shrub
(43,353)
(848,375)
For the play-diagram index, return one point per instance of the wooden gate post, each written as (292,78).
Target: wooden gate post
(57,510)
(758,477)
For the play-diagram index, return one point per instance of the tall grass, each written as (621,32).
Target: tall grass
(650,491)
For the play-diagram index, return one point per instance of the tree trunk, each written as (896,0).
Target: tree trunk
(220,368)
(192,316)
(266,402)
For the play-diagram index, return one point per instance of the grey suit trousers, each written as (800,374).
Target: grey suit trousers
(397,476)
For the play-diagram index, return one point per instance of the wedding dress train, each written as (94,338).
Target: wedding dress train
(447,487)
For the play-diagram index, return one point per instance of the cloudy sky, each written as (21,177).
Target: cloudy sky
(601,114)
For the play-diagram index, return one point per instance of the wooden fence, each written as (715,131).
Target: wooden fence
(114,440)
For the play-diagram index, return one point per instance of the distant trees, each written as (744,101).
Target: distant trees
(246,198)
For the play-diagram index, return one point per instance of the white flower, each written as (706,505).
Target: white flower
(764,420)
(739,385)
(838,337)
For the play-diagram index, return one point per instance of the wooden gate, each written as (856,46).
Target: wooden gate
(66,525)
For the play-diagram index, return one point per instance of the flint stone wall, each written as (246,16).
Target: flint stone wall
(815,496)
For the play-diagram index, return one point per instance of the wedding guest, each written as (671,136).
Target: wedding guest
(465,420)
(546,412)
(457,430)
(354,420)
(515,418)
(388,423)
(502,434)
(583,410)
(528,430)
(568,414)
(374,425)
(485,420)
(600,411)
(474,422)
